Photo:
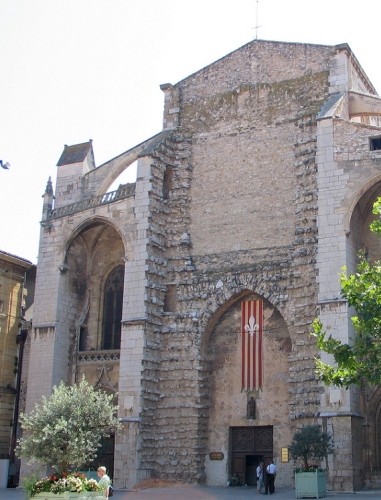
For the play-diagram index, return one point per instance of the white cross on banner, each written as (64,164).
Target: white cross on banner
(252,345)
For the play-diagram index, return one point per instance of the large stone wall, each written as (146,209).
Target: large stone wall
(240,217)
(248,193)
(248,224)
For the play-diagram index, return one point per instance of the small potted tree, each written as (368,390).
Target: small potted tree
(310,443)
(64,433)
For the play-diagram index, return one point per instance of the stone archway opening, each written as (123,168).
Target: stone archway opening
(362,239)
(92,280)
(229,403)
(94,254)
(360,235)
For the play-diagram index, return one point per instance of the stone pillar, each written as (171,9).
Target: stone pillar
(171,106)
(127,447)
(48,363)
(332,254)
(338,406)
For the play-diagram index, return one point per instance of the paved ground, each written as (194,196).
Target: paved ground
(206,493)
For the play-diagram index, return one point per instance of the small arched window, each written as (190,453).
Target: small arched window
(112,309)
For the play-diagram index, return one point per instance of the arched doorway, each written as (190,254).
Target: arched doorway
(94,284)
(241,439)
(248,447)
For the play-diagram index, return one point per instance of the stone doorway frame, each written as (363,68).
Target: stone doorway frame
(247,442)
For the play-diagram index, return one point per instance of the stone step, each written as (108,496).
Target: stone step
(373,483)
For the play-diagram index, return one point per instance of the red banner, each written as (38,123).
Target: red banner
(252,345)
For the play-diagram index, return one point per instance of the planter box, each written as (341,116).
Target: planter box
(310,484)
(67,495)
(4,465)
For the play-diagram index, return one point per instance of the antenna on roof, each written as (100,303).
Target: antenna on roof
(256,21)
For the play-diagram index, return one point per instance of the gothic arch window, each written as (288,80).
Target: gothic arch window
(112,309)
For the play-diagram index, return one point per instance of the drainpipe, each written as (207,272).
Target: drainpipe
(14,472)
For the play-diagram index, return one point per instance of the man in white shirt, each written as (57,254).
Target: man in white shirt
(270,478)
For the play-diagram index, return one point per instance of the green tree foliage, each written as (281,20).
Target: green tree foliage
(65,430)
(310,443)
(360,360)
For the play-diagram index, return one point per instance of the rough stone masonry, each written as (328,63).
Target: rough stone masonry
(259,187)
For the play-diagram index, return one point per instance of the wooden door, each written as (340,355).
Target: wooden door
(246,442)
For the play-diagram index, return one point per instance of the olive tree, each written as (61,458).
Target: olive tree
(65,430)
(311,443)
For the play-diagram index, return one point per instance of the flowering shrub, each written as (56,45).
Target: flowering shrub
(37,486)
(74,482)
(58,486)
(92,485)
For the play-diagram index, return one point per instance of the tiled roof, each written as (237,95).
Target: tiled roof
(74,154)
(6,255)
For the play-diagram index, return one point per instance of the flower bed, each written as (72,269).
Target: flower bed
(75,485)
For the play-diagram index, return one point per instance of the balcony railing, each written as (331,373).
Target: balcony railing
(125,191)
(106,356)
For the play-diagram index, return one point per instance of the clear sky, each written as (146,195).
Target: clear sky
(74,70)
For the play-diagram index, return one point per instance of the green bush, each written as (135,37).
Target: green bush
(311,443)
(65,431)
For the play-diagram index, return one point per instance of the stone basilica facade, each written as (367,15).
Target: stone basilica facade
(259,188)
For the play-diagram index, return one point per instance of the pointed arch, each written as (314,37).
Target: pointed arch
(235,298)
(220,311)
(369,188)
(222,386)
(93,277)
(91,223)
(112,308)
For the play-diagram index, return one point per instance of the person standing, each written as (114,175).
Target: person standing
(270,478)
(104,480)
(260,483)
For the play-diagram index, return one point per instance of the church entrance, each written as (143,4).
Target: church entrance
(105,455)
(247,447)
